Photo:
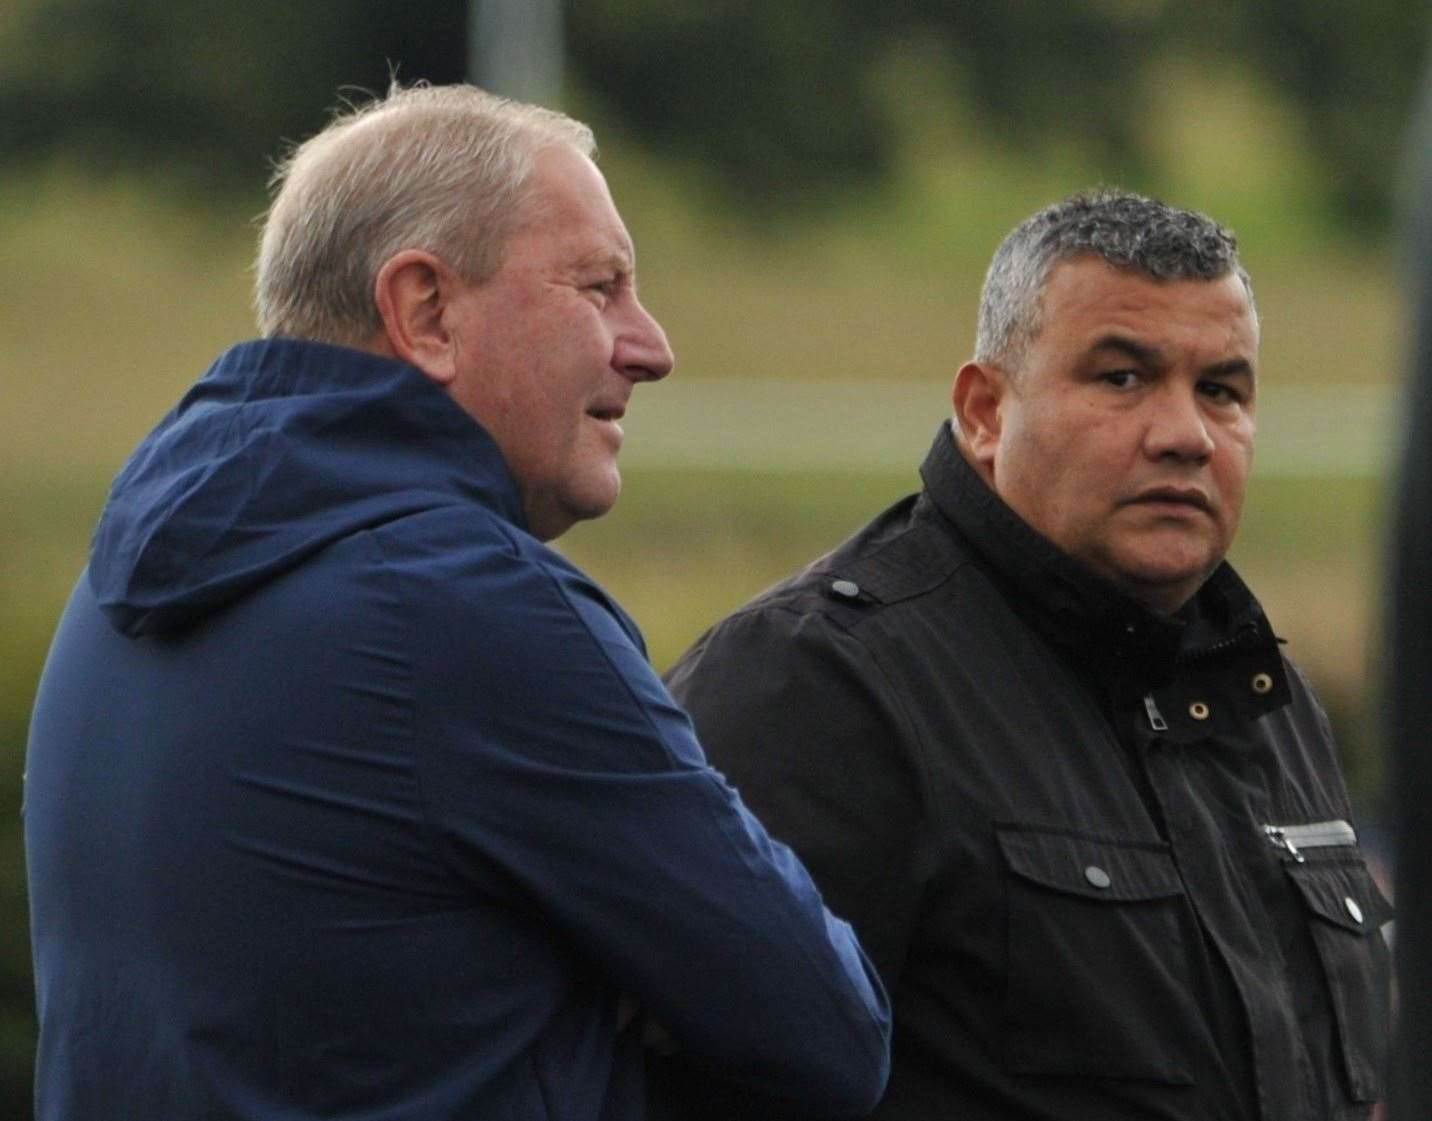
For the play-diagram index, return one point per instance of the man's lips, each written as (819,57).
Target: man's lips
(609,417)
(607,412)
(1191,497)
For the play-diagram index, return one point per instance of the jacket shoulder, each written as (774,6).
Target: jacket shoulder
(465,564)
(905,553)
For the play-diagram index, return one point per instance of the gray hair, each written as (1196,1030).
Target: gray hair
(438,168)
(1128,231)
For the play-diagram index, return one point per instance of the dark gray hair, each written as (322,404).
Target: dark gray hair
(439,168)
(1128,231)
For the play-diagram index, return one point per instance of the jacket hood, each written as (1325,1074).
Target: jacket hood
(280,449)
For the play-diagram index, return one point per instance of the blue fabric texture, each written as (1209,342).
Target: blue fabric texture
(348,798)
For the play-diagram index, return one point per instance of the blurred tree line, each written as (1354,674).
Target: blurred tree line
(776,99)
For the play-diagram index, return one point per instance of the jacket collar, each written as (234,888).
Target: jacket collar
(1074,607)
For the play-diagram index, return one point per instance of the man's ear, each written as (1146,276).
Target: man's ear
(977,395)
(412,292)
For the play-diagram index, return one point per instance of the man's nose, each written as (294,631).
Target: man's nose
(642,352)
(1179,427)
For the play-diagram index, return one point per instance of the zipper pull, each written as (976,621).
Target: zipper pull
(1156,720)
(1280,839)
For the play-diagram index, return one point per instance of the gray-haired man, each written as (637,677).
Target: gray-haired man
(1037,739)
(347,797)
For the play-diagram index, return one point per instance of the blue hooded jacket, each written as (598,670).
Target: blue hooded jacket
(348,798)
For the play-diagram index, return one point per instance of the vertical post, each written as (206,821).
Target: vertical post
(1410,716)
(515,48)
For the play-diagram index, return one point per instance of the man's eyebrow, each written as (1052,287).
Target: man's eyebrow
(1230,368)
(1132,348)
(1154,358)
(619,257)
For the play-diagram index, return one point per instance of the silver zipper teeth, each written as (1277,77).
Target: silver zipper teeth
(1315,835)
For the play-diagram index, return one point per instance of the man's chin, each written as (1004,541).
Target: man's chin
(593,500)
(1162,578)
(601,495)
(1165,588)
(550,517)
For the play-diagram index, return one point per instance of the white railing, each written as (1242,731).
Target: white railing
(772,425)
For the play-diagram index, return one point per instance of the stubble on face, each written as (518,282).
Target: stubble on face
(1126,436)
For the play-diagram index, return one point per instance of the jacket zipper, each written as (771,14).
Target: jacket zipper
(1156,720)
(1292,839)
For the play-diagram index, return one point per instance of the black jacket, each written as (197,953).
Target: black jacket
(1103,859)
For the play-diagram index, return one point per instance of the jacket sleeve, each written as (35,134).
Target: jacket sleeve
(565,779)
(802,720)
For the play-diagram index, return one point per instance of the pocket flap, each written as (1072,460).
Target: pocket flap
(1110,870)
(1342,893)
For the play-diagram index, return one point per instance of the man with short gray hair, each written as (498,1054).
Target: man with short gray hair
(1036,738)
(347,797)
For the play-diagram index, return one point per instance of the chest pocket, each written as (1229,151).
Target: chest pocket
(1097,980)
(1346,912)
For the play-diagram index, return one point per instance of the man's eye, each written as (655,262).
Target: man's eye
(1119,379)
(1218,391)
(606,287)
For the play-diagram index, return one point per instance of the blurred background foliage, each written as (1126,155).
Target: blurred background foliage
(778,100)
(814,186)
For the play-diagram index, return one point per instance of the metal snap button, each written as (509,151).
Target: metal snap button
(1353,909)
(1198,710)
(1097,876)
(847,589)
(1262,683)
